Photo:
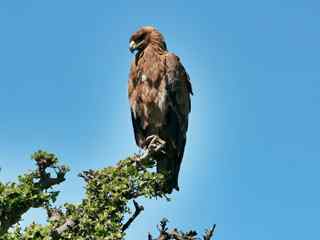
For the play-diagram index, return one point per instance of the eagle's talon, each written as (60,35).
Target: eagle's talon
(151,137)
(150,140)
(154,144)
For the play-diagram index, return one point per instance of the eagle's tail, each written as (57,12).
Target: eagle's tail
(178,160)
(167,168)
(169,165)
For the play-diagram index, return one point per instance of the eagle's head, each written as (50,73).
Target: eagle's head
(145,37)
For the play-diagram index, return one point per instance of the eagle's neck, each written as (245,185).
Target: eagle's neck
(150,54)
(149,65)
(155,48)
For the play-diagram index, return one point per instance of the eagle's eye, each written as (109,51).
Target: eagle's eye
(138,43)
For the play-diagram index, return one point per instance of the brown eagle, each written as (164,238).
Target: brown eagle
(159,92)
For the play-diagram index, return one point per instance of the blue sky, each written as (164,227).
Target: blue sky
(252,158)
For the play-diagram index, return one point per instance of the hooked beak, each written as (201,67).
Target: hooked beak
(133,46)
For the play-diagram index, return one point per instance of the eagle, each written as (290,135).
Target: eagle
(159,92)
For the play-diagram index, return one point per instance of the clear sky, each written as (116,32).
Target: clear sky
(252,158)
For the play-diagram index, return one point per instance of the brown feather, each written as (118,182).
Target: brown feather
(159,94)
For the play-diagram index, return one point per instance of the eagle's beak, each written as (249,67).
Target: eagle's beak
(132,46)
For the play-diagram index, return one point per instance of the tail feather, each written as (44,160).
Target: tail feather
(178,161)
(166,167)
(169,165)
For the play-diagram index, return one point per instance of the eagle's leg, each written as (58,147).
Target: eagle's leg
(155,144)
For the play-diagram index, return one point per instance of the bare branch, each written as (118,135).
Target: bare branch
(69,223)
(209,233)
(87,175)
(138,209)
(54,214)
(175,234)
(45,180)
(150,236)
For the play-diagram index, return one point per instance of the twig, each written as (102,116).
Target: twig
(138,209)
(45,181)
(150,236)
(209,233)
(69,223)
(87,175)
(54,214)
(175,234)
(48,182)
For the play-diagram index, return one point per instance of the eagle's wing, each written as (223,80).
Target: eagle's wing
(139,132)
(136,122)
(179,90)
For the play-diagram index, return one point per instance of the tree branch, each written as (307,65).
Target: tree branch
(69,223)
(138,209)
(30,192)
(209,233)
(175,234)
(102,212)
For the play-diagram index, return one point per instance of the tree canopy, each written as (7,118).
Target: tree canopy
(104,212)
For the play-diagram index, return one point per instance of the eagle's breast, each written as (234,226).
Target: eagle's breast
(148,97)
